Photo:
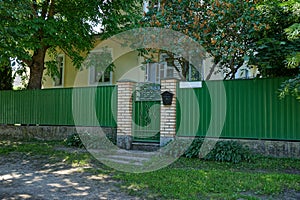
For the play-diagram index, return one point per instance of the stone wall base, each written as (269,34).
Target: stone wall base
(265,147)
(165,140)
(124,141)
(272,148)
(46,132)
(285,149)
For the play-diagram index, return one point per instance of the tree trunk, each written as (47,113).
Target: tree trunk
(211,71)
(6,79)
(36,69)
(185,69)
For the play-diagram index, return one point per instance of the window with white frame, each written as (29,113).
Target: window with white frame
(100,67)
(165,69)
(59,78)
(157,71)
(100,76)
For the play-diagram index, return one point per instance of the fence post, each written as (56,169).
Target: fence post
(124,115)
(168,112)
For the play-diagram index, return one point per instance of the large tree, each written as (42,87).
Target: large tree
(31,28)
(227,29)
(278,50)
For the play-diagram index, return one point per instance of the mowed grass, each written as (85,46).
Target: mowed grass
(172,183)
(263,178)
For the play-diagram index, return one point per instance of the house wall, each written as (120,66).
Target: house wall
(127,66)
(68,76)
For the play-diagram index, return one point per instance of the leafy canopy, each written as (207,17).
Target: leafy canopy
(279,46)
(227,29)
(30,28)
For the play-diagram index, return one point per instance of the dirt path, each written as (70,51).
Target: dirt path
(32,177)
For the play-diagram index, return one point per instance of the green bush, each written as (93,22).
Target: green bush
(229,151)
(175,148)
(223,151)
(90,140)
(193,150)
(74,141)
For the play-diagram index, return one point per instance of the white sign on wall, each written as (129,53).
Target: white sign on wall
(195,84)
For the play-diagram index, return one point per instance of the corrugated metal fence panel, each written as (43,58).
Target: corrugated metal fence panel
(54,106)
(253,110)
(193,111)
(106,105)
(23,101)
(6,107)
(84,109)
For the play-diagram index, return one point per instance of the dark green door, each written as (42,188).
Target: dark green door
(146,113)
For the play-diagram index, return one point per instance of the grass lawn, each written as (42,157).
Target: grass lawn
(196,179)
(263,178)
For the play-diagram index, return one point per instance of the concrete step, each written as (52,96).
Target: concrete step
(132,157)
(145,146)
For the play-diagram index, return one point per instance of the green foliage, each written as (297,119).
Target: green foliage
(261,33)
(177,147)
(229,151)
(74,141)
(226,29)
(279,50)
(194,149)
(30,28)
(290,87)
(293,32)
(91,140)
(223,151)
(6,77)
(279,45)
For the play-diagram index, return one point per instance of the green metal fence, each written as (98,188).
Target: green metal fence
(55,106)
(253,110)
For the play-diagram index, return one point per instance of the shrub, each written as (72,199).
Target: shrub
(175,148)
(193,150)
(223,151)
(229,151)
(91,140)
(74,141)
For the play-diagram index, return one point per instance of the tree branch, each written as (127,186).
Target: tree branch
(52,8)
(211,71)
(176,68)
(28,62)
(34,8)
(45,8)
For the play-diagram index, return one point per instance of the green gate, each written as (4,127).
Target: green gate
(146,113)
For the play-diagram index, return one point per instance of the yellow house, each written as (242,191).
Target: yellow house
(127,66)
